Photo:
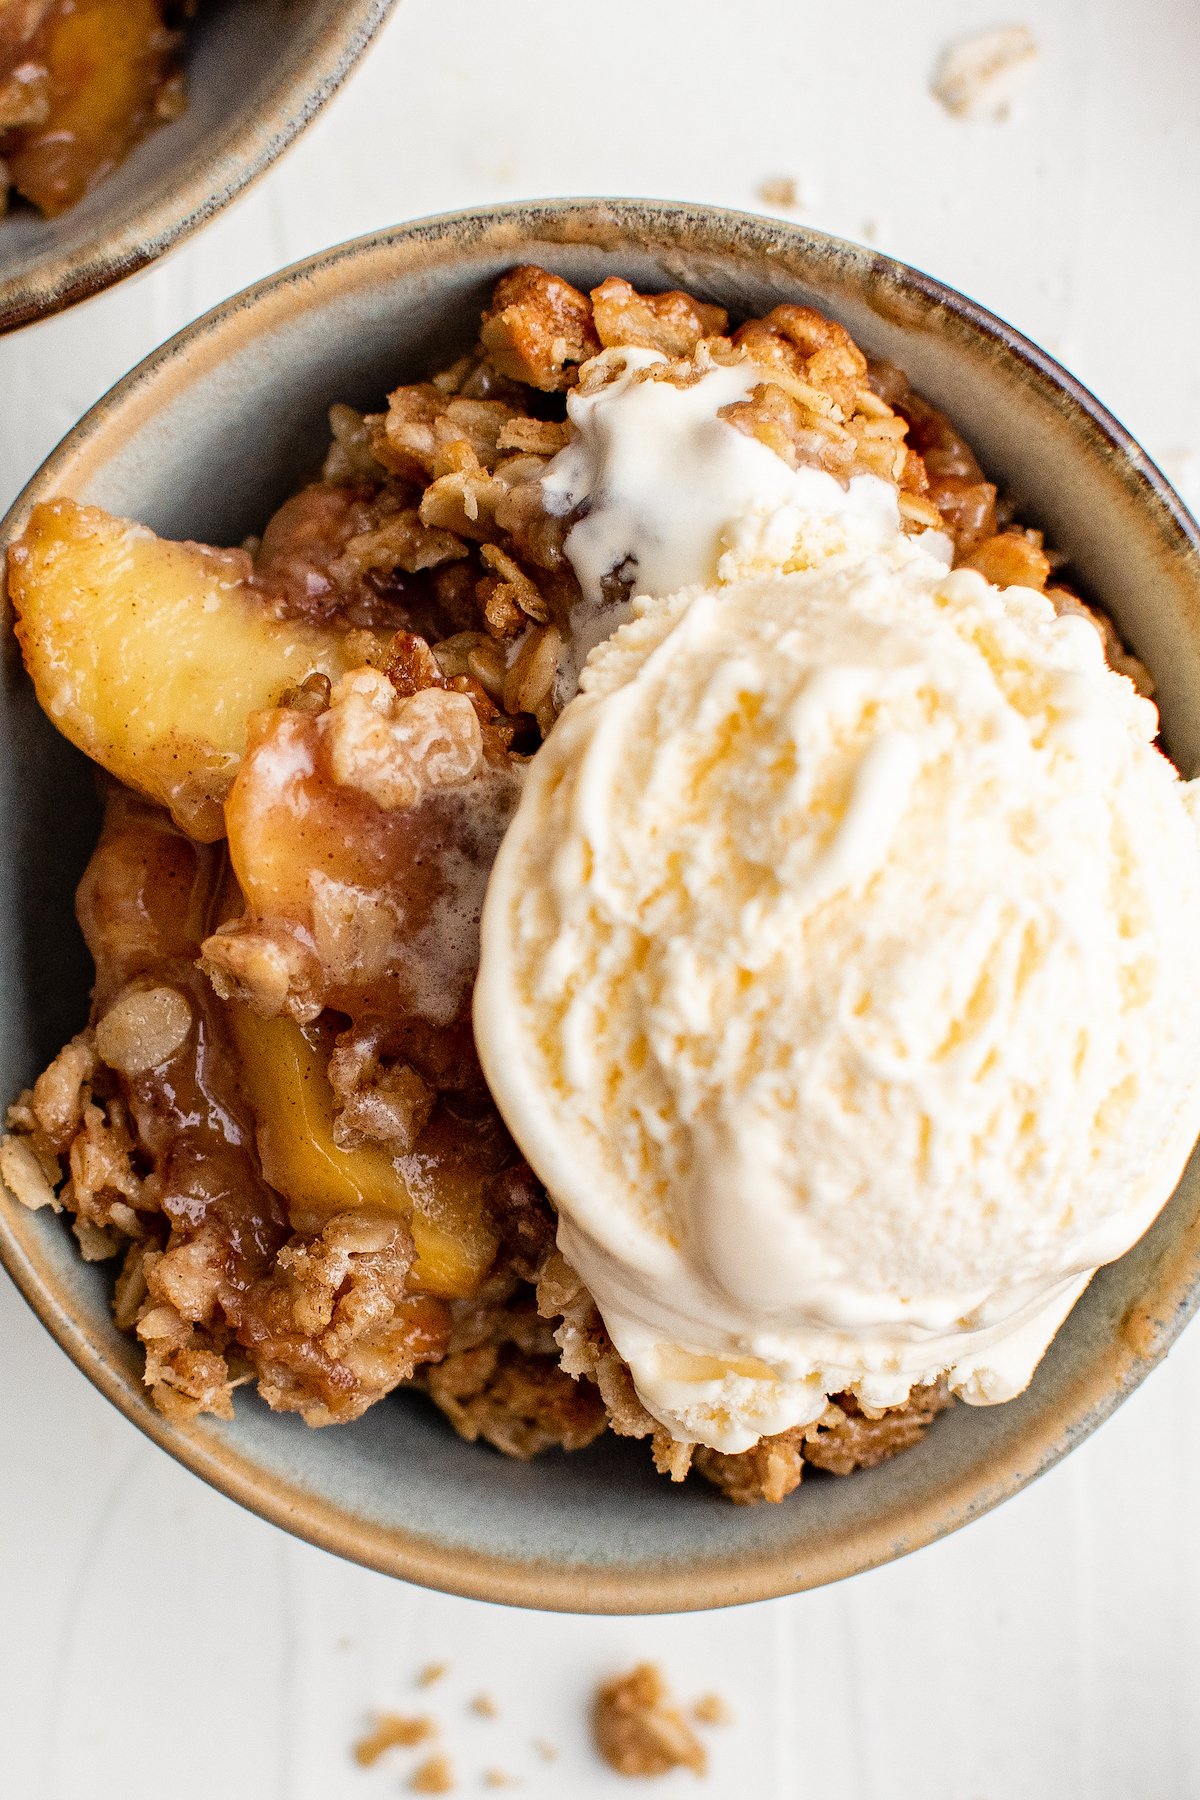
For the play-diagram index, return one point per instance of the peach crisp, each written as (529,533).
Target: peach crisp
(274,1124)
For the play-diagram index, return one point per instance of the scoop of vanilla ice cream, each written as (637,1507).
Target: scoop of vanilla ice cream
(839,980)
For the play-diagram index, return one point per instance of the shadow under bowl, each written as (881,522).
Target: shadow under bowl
(257,71)
(201,441)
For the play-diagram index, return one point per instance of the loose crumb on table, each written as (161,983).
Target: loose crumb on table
(711,1709)
(435,1776)
(640,1730)
(431,1672)
(978,77)
(485,1706)
(391,1731)
(780,191)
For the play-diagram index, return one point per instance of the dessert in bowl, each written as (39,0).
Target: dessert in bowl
(124,124)
(79,86)
(786,898)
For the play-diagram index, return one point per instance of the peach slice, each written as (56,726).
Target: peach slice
(151,655)
(438,1188)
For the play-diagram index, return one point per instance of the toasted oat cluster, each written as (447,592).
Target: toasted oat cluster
(275,1124)
(80,82)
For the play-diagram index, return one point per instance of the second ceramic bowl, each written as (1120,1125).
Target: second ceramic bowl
(257,72)
(202,441)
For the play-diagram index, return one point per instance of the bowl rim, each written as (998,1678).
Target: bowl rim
(547,1584)
(212,177)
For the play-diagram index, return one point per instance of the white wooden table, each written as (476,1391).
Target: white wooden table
(158,1644)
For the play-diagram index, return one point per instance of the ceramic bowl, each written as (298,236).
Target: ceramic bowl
(202,441)
(258,71)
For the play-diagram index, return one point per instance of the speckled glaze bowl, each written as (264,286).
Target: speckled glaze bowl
(202,441)
(257,71)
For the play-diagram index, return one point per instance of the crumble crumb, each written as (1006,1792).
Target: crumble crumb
(780,190)
(547,1752)
(485,1706)
(639,1730)
(435,1776)
(431,1672)
(711,1709)
(979,77)
(496,1778)
(390,1731)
